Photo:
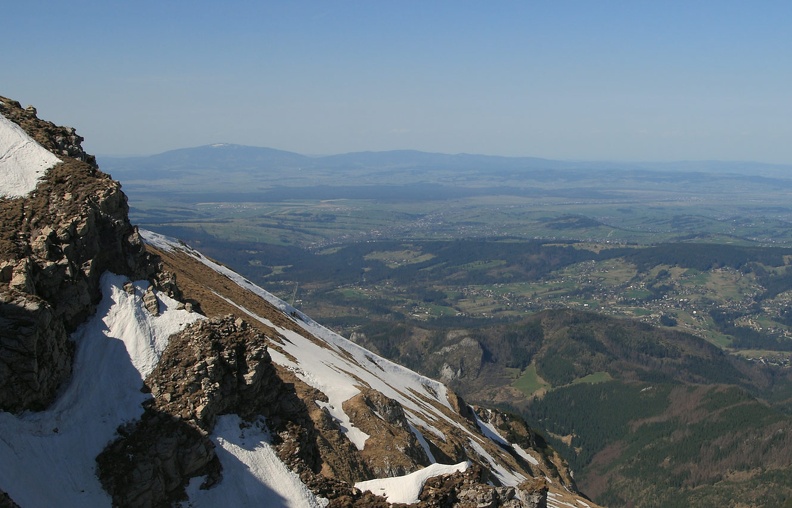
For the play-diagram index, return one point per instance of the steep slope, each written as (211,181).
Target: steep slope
(645,416)
(116,387)
(388,419)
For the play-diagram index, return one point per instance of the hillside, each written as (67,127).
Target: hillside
(646,416)
(140,373)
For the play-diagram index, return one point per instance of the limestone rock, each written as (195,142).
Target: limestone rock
(460,359)
(149,464)
(151,302)
(54,245)
(35,353)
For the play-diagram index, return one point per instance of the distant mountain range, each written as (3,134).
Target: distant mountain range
(251,157)
(235,173)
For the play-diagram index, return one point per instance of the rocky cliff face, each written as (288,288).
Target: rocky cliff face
(330,413)
(54,245)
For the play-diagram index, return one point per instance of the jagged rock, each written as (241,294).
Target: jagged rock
(35,353)
(62,141)
(391,449)
(461,407)
(213,367)
(469,490)
(166,283)
(54,245)
(150,464)
(129,288)
(150,301)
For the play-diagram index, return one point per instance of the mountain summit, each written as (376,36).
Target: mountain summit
(134,371)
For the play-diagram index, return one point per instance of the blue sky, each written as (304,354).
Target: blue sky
(604,80)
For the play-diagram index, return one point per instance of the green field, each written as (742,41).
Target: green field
(529,382)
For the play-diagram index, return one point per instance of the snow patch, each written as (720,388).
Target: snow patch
(490,431)
(505,476)
(406,489)
(524,454)
(145,336)
(22,161)
(354,434)
(253,475)
(422,441)
(49,458)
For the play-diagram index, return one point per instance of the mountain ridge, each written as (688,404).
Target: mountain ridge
(318,413)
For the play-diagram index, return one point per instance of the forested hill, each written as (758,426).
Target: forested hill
(645,415)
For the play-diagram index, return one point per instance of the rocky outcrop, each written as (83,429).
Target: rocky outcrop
(62,141)
(515,430)
(54,245)
(462,358)
(391,449)
(213,367)
(35,353)
(152,460)
(469,489)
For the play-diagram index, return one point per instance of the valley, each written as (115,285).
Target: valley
(638,319)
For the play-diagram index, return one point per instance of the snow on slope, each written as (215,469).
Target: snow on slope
(253,475)
(407,488)
(337,367)
(22,160)
(49,458)
(491,432)
(327,366)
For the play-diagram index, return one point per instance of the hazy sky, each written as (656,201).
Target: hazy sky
(593,79)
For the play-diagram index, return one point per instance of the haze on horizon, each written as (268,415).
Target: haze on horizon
(573,79)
